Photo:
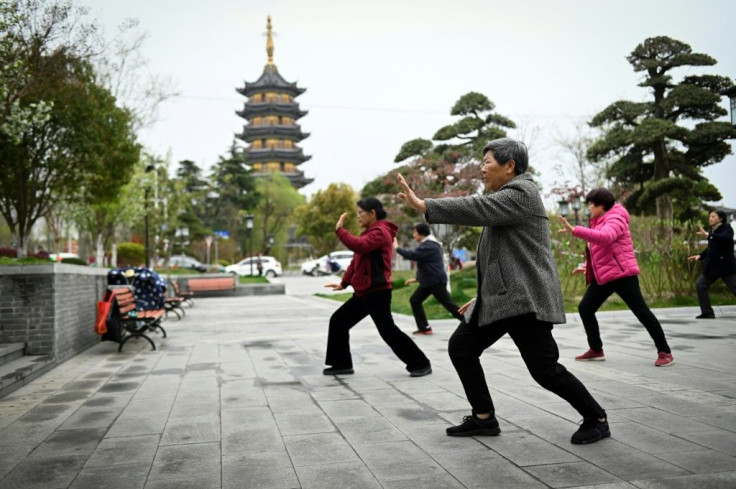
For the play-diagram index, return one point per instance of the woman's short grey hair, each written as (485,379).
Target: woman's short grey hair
(505,149)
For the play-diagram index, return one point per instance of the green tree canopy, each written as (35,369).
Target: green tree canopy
(233,190)
(318,217)
(449,168)
(274,212)
(50,149)
(658,148)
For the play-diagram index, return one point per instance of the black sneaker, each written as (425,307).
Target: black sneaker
(590,431)
(337,371)
(421,372)
(709,315)
(472,426)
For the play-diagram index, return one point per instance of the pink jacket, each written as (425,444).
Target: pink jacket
(611,248)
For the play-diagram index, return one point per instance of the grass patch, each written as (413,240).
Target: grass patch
(464,285)
(252,280)
(6,260)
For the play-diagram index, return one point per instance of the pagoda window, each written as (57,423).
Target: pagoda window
(257,167)
(256,97)
(281,143)
(289,168)
(288,144)
(273,166)
(256,144)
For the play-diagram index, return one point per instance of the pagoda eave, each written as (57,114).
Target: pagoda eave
(297,179)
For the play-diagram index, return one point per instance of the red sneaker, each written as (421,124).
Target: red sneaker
(664,359)
(591,355)
(423,331)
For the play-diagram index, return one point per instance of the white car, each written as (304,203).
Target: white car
(321,266)
(271,267)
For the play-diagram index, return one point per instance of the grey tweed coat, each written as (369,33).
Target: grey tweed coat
(517,273)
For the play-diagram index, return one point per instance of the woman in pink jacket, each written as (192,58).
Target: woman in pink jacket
(610,266)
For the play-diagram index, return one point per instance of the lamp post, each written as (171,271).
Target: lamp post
(731,94)
(249,227)
(149,169)
(575,209)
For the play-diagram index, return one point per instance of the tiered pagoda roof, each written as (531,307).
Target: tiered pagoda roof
(272,133)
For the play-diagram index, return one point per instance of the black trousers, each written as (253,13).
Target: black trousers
(703,284)
(378,306)
(439,291)
(539,351)
(628,289)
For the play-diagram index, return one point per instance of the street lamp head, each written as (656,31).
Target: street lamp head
(564,208)
(249,221)
(576,204)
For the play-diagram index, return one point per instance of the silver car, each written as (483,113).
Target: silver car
(324,264)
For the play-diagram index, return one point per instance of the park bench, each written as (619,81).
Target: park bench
(173,301)
(207,284)
(186,295)
(128,321)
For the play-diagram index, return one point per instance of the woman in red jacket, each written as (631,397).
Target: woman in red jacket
(370,275)
(610,266)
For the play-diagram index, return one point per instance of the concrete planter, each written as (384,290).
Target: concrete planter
(51,308)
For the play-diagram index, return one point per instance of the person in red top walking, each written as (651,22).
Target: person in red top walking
(610,266)
(369,273)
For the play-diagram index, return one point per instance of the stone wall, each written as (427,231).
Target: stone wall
(50,307)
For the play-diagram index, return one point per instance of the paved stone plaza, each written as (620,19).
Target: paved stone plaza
(235,398)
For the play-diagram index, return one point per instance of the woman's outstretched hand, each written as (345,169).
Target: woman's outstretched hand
(341,221)
(568,228)
(465,306)
(701,232)
(334,286)
(409,197)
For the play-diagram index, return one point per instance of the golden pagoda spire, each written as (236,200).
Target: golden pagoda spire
(269,42)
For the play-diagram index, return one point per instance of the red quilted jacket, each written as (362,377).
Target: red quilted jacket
(370,269)
(611,248)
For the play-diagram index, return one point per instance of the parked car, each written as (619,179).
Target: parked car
(185,261)
(271,267)
(324,265)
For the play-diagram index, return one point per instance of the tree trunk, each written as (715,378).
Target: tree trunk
(99,251)
(22,244)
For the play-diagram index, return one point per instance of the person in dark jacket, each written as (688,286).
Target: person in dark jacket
(519,290)
(431,276)
(369,273)
(718,261)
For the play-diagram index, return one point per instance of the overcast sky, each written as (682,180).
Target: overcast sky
(379,73)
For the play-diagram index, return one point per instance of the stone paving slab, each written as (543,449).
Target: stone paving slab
(234,398)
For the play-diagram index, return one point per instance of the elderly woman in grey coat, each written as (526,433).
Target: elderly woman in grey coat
(519,290)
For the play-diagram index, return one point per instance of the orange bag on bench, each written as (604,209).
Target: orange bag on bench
(103,313)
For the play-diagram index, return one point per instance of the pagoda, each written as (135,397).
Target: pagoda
(271,132)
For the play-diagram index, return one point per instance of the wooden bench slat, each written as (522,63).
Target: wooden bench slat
(204,284)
